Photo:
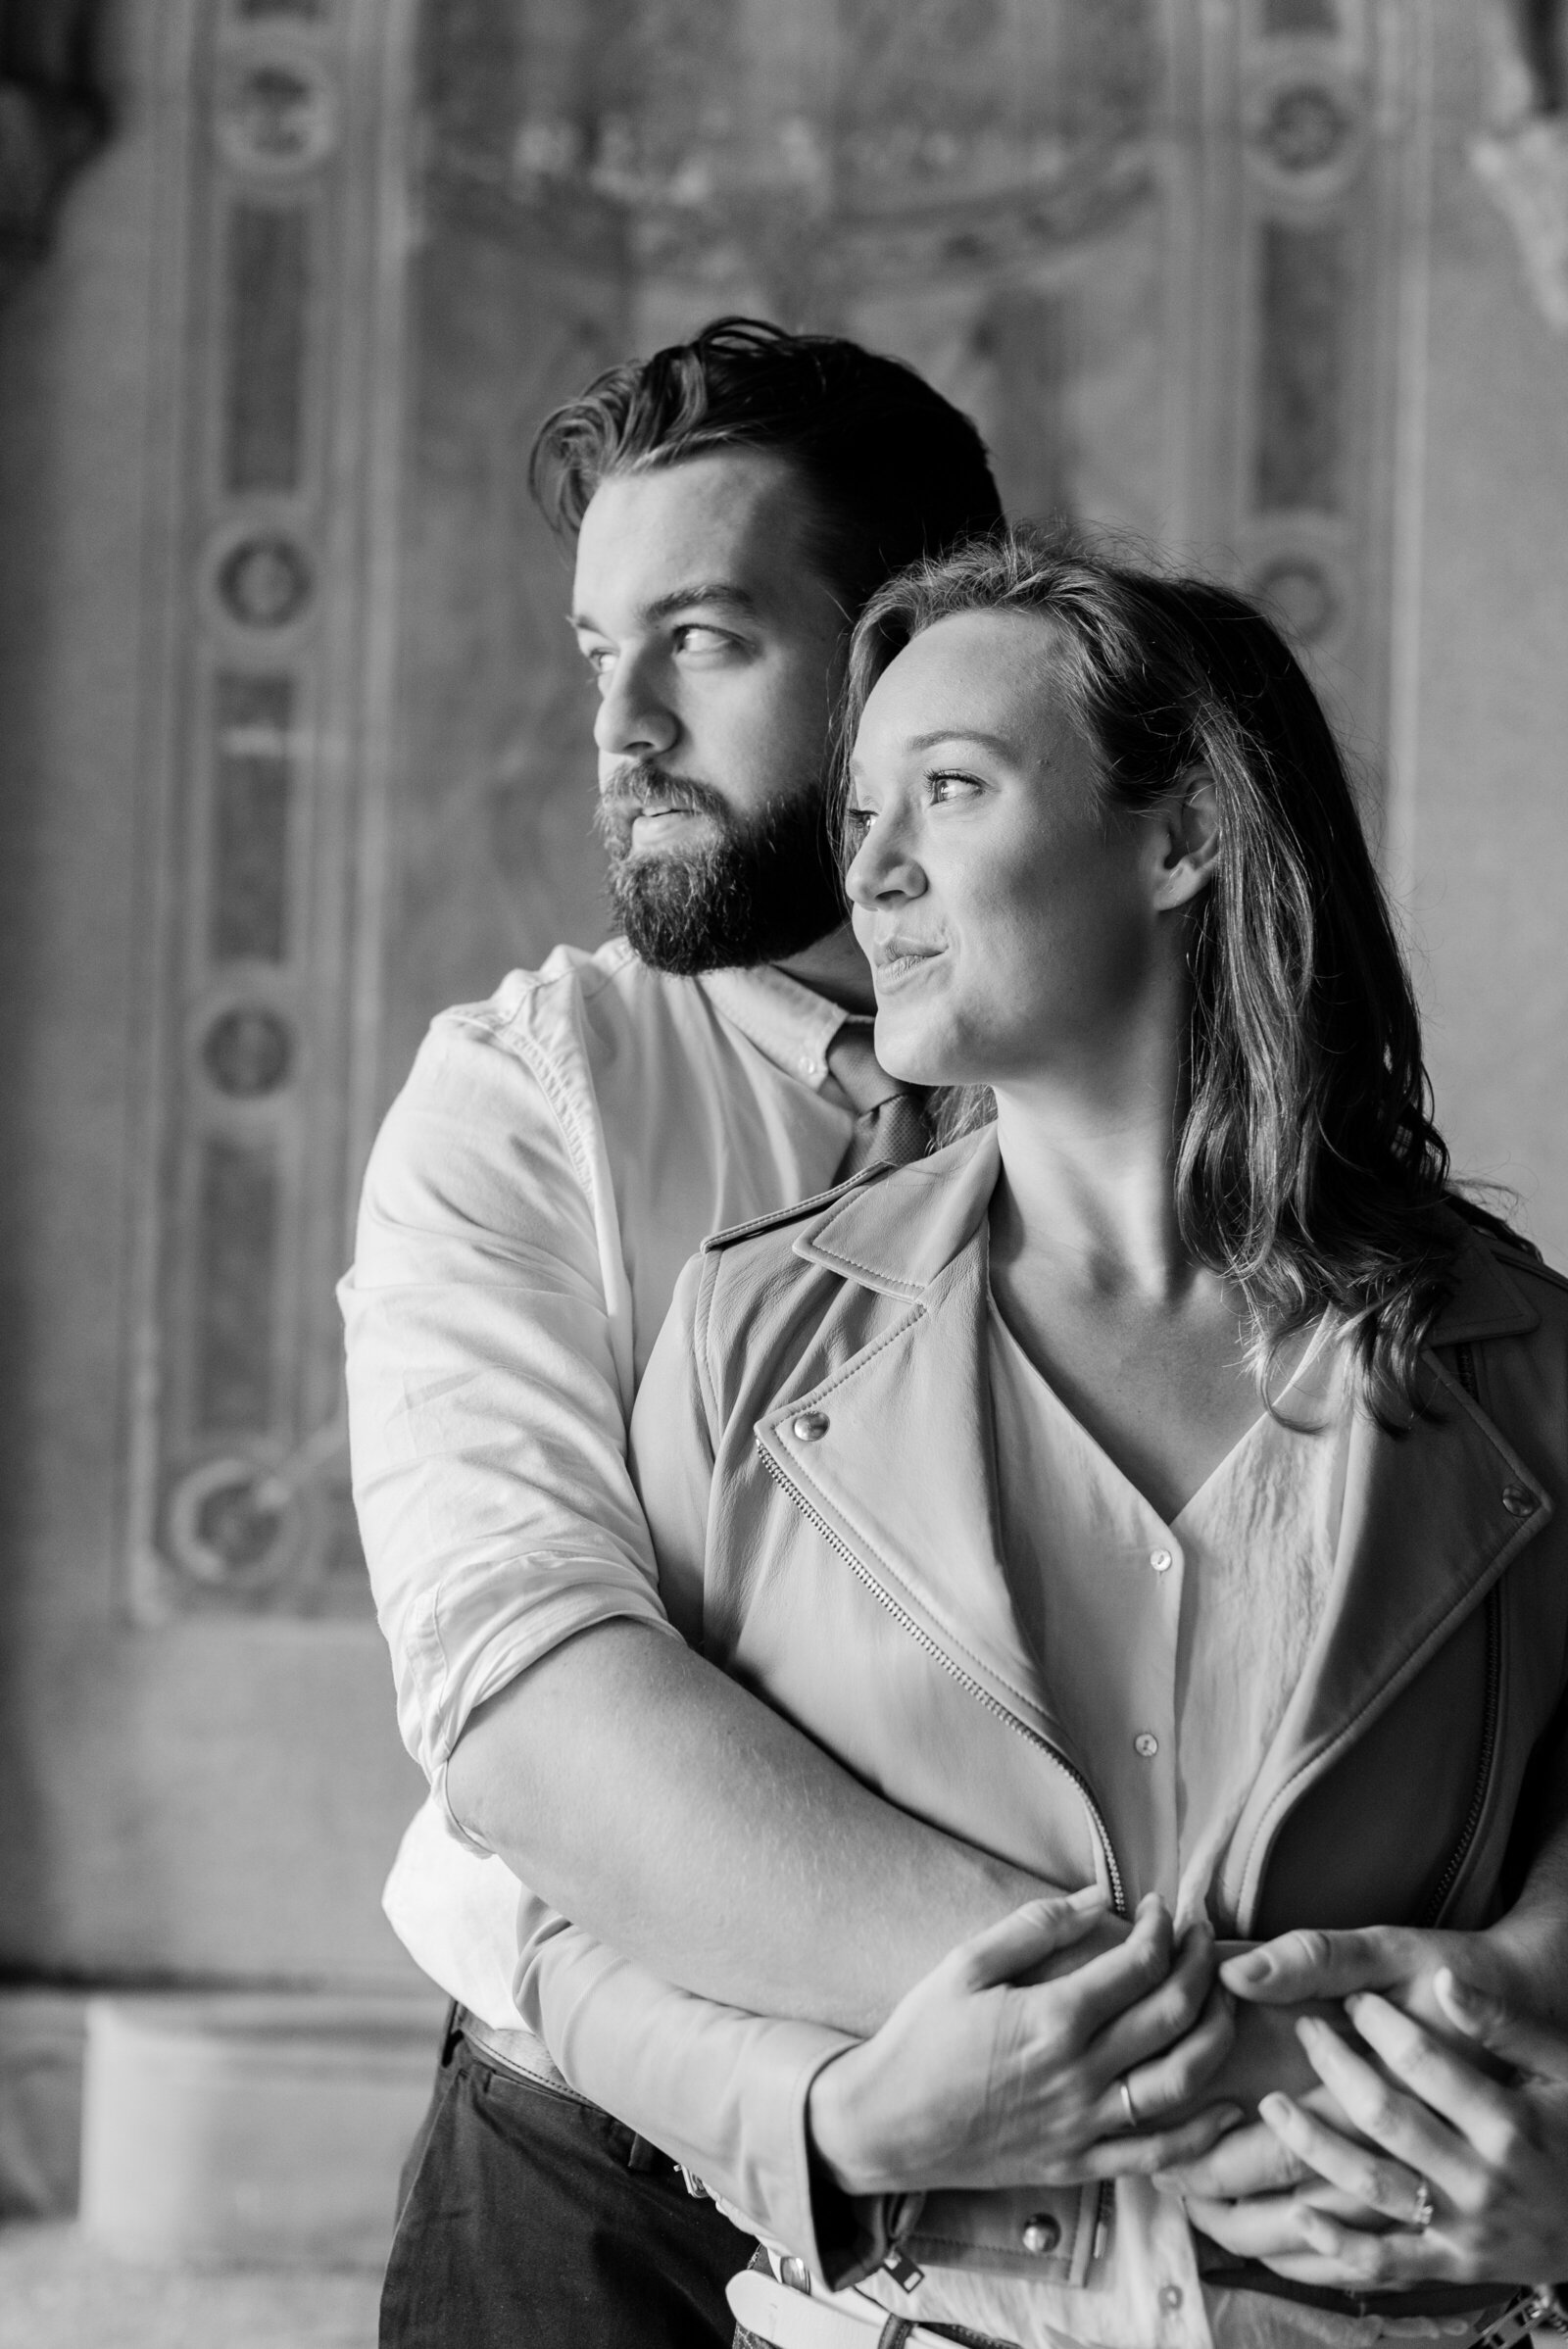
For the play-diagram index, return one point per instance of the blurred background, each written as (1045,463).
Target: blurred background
(295,752)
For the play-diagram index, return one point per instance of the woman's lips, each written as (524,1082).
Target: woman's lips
(894,966)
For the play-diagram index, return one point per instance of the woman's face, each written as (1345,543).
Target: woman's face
(1009,920)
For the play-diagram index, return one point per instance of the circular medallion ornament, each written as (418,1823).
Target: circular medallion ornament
(277,115)
(1300,595)
(229,1523)
(264,582)
(1305,128)
(247,1052)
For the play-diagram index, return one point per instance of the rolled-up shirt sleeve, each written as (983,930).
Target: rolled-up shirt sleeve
(487,1388)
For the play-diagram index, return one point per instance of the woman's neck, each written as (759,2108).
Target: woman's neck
(1087,1181)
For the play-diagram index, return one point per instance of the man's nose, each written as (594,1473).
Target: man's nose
(633,719)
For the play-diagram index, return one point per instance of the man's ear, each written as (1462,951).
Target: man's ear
(1186,834)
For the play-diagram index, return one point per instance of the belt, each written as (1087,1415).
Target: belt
(517,2052)
(785,2319)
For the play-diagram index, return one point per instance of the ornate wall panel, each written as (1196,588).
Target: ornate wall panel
(1310,121)
(1158,248)
(274,445)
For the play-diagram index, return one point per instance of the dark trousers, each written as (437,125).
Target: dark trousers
(528,2220)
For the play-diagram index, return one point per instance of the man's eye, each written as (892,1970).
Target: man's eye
(598,658)
(695,638)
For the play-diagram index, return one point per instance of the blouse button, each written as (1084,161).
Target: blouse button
(1041,2233)
(1162,1560)
(1146,1743)
(811,1426)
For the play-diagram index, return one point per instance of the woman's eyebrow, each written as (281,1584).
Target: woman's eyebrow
(975,734)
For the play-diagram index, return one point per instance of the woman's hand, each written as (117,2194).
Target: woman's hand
(1491,2160)
(981,2076)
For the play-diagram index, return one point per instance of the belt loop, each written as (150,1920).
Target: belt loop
(640,2155)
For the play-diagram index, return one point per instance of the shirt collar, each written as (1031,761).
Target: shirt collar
(786,1021)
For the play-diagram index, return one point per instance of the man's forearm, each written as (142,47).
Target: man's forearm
(665,1809)
(1533,1934)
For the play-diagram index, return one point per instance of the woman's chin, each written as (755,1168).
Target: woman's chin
(911,1050)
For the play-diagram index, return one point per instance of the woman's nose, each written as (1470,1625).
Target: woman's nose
(633,719)
(883,868)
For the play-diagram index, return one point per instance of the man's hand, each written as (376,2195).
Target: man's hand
(1399,1960)
(987,2076)
(1314,1970)
(1463,2179)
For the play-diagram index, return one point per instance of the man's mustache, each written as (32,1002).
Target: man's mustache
(632,788)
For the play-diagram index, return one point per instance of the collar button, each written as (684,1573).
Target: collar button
(1517,1501)
(809,1427)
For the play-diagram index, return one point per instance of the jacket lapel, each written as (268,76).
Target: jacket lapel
(902,1474)
(1431,1519)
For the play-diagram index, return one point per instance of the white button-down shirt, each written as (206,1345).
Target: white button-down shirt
(552,1161)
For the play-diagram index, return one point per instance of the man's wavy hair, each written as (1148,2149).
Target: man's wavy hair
(894,471)
(1308,1170)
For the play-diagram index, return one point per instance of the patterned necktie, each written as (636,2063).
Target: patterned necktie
(890,1121)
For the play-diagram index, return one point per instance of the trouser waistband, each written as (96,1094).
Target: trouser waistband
(778,2316)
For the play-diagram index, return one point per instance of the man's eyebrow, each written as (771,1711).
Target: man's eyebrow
(682,599)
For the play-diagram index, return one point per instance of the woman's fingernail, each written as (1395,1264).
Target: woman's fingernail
(1274,2106)
(1091,1897)
(1458,1993)
(1253,1967)
(1310,2031)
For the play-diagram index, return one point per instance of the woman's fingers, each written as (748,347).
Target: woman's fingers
(1479,2108)
(1400,2124)
(1158,2149)
(1119,1979)
(1312,2246)
(1493,2024)
(1164,2023)
(1172,2080)
(1390,2188)
(1018,1941)
(1250,2161)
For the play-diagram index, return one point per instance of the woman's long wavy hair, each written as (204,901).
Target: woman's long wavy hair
(1307,1168)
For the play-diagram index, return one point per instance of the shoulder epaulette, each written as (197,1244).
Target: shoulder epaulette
(782,1216)
(1526,1262)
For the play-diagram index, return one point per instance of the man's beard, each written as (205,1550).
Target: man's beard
(766,888)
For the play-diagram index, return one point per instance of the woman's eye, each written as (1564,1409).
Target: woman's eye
(952,787)
(857,822)
(598,658)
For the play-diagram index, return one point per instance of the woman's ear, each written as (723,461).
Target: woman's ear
(1186,834)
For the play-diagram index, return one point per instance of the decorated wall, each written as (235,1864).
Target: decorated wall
(298,744)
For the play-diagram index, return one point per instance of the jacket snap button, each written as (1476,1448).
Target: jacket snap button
(811,1425)
(1041,2233)
(1517,1501)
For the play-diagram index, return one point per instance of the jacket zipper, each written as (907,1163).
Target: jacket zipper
(1465,1362)
(922,1638)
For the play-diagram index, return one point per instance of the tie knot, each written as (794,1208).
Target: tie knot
(890,1124)
(855,1069)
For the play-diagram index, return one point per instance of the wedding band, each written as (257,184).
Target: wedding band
(1131,2111)
(1426,2210)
